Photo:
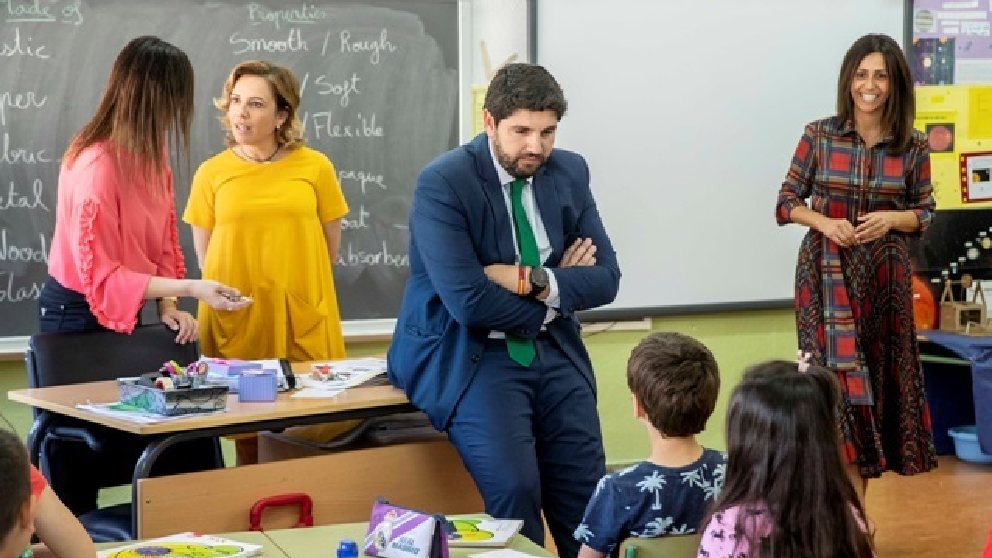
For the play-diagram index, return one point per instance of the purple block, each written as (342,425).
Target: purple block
(257,385)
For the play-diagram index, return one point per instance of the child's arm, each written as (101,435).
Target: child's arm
(59,530)
(586,552)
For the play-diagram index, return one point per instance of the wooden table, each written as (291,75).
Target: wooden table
(238,418)
(322,541)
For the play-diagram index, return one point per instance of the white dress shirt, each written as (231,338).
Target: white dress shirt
(536,223)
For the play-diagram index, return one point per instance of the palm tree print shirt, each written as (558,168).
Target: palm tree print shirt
(648,500)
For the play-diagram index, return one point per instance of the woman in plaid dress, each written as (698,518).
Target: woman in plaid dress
(860,181)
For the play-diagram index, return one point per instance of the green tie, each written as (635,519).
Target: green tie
(522,350)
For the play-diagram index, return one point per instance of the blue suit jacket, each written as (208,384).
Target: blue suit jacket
(459,223)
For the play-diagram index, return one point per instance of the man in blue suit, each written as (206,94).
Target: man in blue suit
(506,244)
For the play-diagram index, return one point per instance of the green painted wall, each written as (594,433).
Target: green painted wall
(737,339)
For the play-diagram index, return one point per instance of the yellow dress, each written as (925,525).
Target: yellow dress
(268,241)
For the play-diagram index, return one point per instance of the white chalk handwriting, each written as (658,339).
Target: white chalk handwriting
(360,219)
(10,252)
(35,11)
(13,199)
(361,126)
(351,257)
(363,178)
(342,89)
(22,46)
(15,155)
(350,45)
(294,42)
(19,101)
(12,292)
(307,14)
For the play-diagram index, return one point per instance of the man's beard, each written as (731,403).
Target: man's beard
(512,164)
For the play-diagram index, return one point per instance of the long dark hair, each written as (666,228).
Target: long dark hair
(149,96)
(900,107)
(783,454)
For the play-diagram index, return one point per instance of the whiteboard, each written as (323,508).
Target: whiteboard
(688,114)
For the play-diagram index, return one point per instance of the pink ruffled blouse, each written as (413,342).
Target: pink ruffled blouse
(111,237)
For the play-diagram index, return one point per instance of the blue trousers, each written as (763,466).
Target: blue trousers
(62,309)
(530,438)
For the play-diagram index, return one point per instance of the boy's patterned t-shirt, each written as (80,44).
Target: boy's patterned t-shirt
(647,500)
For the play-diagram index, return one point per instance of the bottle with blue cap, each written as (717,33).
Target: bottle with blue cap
(347,548)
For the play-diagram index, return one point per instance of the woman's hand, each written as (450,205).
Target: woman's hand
(218,296)
(840,231)
(872,226)
(582,252)
(180,321)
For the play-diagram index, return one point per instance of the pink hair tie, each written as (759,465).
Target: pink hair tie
(802,361)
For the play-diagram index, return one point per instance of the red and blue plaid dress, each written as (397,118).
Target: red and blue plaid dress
(854,306)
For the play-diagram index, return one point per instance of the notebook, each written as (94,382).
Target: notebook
(183,545)
(482,532)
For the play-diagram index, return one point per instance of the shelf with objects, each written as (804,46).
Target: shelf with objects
(950,57)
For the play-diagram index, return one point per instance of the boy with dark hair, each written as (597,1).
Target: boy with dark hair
(28,506)
(674,382)
(16,504)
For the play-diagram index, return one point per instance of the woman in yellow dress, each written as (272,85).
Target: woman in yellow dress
(266,218)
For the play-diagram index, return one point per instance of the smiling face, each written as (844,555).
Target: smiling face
(522,141)
(253,113)
(870,85)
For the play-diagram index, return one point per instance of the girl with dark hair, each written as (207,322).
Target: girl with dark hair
(116,243)
(786,493)
(860,181)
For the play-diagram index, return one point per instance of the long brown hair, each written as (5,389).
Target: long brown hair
(285,90)
(900,107)
(783,455)
(148,99)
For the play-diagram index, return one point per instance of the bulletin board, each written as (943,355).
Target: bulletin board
(950,55)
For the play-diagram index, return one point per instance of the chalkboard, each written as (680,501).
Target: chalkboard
(380,99)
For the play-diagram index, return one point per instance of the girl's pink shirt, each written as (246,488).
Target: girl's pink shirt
(111,237)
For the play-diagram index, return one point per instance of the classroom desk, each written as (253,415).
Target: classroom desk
(321,542)
(269,548)
(239,418)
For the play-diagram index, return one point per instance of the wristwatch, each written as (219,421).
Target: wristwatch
(538,281)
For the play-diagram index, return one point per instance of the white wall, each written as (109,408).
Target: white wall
(688,113)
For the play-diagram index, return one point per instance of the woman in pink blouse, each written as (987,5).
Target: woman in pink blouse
(115,243)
